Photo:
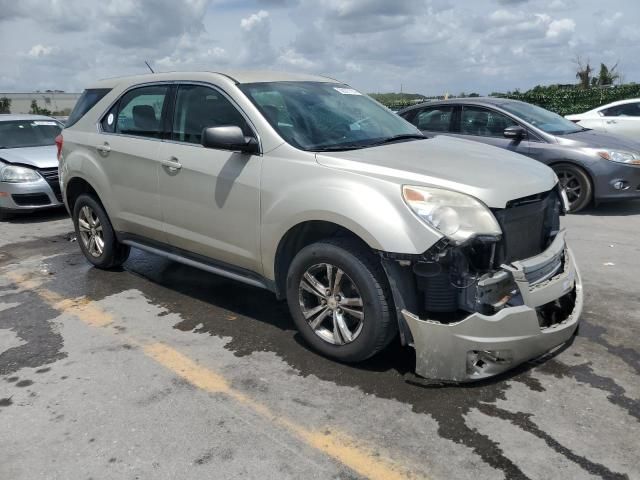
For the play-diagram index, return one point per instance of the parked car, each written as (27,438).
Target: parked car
(620,118)
(306,187)
(28,163)
(592,166)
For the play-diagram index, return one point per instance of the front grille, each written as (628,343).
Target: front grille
(51,176)
(31,199)
(528,225)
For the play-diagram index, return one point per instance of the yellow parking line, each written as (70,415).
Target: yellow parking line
(359,458)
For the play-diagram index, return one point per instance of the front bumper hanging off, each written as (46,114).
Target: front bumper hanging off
(480,346)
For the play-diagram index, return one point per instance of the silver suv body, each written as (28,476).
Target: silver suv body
(302,185)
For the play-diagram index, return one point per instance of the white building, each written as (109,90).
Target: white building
(59,102)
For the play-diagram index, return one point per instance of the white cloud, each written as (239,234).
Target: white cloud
(254,20)
(40,51)
(561,27)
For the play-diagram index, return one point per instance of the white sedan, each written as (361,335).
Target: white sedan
(619,118)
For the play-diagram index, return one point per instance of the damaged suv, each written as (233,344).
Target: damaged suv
(304,186)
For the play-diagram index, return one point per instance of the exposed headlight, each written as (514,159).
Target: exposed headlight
(16,174)
(620,157)
(455,215)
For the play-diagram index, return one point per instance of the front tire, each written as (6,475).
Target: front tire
(576,183)
(95,235)
(339,299)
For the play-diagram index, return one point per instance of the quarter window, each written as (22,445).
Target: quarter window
(139,112)
(434,119)
(199,107)
(483,122)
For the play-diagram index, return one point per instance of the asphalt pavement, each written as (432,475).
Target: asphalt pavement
(161,371)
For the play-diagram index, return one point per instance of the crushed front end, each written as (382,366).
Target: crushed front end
(475,310)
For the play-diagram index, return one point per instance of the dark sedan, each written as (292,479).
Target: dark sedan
(592,166)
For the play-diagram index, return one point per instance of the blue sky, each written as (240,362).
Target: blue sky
(428,46)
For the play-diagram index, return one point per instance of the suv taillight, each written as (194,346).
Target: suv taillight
(59,141)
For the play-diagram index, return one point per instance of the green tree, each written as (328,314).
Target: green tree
(34,107)
(608,76)
(5,105)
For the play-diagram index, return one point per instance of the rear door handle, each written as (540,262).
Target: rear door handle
(172,165)
(104,148)
(611,121)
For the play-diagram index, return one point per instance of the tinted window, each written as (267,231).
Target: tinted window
(199,107)
(434,119)
(28,133)
(626,110)
(321,116)
(140,111)
(484,122)
(85,103)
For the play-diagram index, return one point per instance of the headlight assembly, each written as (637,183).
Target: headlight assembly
(17,174)
(455,215)
(620,156)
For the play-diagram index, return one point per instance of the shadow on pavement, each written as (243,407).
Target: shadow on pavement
(38,216)
(619,208)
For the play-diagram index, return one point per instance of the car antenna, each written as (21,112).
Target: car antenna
(147,64)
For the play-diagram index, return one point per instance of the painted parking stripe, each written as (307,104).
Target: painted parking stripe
(361,459)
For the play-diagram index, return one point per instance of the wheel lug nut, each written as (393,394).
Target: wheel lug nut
(327,292)
(337,297)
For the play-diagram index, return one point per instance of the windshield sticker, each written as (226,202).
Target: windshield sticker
(44,122)
(110,119)
(347,91)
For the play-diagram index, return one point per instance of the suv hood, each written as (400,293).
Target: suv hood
(595,139)
(38,157)
(492,175)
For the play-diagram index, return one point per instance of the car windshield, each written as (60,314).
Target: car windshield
(318,116)
(543,119)
(28,133)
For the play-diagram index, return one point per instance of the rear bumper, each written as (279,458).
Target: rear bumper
(27,196)
(481,346)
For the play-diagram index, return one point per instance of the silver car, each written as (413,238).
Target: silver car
(304,186)
(28,163)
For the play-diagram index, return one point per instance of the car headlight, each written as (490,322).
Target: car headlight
(17,174)
(620,157)
(455,215)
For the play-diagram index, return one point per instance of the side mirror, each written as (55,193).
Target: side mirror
(515,133)
(229,137)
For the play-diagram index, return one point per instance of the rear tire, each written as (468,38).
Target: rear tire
(576,183)
(95,235)
(352,319)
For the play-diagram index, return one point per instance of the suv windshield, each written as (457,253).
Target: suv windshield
(28,133)
(543,119)
(320,116)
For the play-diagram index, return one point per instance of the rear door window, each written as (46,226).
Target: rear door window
(434,119)
(139,112)
(86,102)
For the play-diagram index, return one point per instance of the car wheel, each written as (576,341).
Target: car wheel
(340,301)
(576,183)
(95,234)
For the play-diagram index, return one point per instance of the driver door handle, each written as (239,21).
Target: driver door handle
(104,149)
(172,165)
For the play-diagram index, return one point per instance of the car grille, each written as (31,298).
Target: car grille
(51,176)
(528,225)
(31,199)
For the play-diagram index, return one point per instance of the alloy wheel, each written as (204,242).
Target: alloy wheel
(331,303)
(91,233)
(571,184)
